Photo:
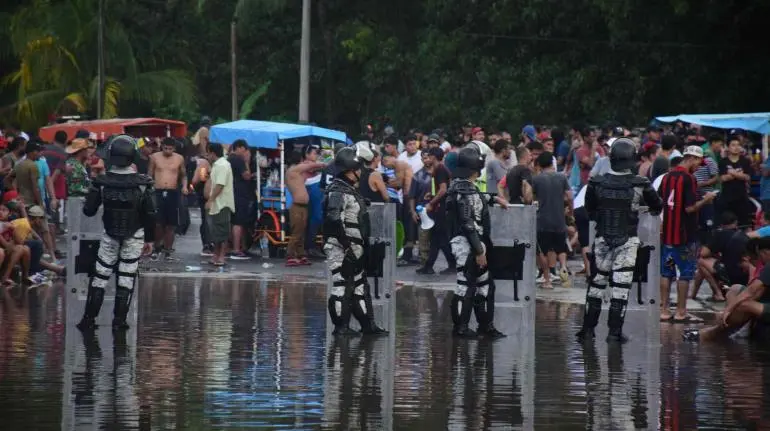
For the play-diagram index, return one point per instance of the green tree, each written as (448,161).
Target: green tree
(55,44)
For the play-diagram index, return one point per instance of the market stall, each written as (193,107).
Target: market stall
(273,140)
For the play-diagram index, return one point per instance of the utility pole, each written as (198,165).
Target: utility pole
(304,65)
(233,73)
(100,59)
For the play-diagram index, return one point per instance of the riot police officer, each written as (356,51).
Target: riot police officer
(469,229)
(129,227)
(612,200)
(346,233)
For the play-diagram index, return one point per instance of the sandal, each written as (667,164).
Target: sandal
(688,319)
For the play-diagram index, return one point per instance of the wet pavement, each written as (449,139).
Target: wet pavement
(251,353)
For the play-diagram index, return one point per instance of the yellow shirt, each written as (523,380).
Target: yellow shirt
(21,229)
(222,175)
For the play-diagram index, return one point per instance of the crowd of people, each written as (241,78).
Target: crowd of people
(703,176)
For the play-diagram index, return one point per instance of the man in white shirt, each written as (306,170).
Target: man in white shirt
(220,202)
(412,154)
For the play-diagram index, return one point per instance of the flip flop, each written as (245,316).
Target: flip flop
(714,300)
(219,264)
(689,319)
(667,319)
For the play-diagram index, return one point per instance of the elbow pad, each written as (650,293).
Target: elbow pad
(333,224)
(468,226)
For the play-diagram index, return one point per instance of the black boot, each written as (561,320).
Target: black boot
(341,319)
(615,319)
(485,314)
(122,305)
(593,309)
(93,305)
(363,311)
(462,306)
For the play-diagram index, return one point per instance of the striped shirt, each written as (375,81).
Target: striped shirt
(678,191)
(705,172)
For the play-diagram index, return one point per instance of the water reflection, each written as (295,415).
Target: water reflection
(226,353)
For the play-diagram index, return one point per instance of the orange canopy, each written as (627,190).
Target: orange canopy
(137,127)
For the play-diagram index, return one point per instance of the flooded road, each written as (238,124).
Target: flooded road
(216,354)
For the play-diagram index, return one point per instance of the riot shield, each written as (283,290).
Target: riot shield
(378,354)
(639,359)
(92,361)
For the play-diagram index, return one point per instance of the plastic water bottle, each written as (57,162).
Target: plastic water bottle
(263,247)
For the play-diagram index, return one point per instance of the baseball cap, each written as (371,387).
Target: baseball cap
(82,134)
(694,150)
(530,131)
(476,130)
(434,138)
(544,136)
(35,211)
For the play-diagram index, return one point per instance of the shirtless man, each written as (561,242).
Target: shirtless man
(168,171)
(298,213)
(402,180)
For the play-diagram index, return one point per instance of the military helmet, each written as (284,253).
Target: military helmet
(346,160)
(122,151)
(622,154)
(469,160)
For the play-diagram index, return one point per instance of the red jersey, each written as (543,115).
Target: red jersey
(678,190)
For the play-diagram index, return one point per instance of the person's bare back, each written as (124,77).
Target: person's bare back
(166,171)
(295,180)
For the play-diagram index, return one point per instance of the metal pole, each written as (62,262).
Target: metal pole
(100,60)
(304,65)
(233,73)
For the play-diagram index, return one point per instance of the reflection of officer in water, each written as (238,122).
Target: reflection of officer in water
(612,201)
(129,226)
(346,232)
(469,231)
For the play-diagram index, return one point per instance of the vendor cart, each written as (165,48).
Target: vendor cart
(274,139)
(103,129)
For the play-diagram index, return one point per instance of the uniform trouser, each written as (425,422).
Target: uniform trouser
(474,290)
(125,255)
(614,266)
(350,291)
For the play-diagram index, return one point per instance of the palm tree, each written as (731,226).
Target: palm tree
(55,44)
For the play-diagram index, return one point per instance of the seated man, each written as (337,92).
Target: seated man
(724,250)
(746,304)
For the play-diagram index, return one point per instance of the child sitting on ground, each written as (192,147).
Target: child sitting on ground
(24,225)
(16,253)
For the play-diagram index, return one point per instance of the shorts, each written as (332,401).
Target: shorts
(583,226)
(765,301)
(682,257)
(219,225)
(168,203)
(552,241)
(242,216)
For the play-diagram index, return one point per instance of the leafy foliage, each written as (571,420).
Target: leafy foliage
(425,63)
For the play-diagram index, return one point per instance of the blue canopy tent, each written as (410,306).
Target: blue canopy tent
(270,135)
(758,122)
(267,134)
